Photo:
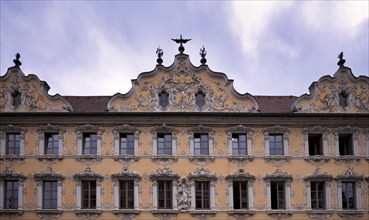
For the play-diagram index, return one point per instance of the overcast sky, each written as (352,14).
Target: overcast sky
(268,48)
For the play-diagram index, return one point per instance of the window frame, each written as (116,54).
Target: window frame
(89,143)
(81,132)
(12,191)
(165,144)
(280,177)
(279,130)
(163,97)
(344,131)
(238,143)
(12,144)
(166,130)
(52,195)
(273,150)
(43,132)
(9,175)
(126,193)
(46,146)
(130,145)
(125,129)
(346,201)
(203,192)
(91,191)
(202,144)
(200,99)
(166,194)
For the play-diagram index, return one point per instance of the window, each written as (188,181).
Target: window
(239,144)
(88,194)
(17,98)
(343,99)
(277,195)
(165,194)
(202,194)
(315,145)
(11,194)
(345,144)
(50,194)
(127,144)
(164,144)
(200,99)
(201,142)
(317,195)
(51,144)
(89,143)
(13,143)
(126,195)
(276,144)
(240,195)
(348,195)
(163,99)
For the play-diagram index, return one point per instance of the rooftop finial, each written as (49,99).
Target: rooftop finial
(16,61)
(181,41)
(341,61)
(160,53)
(203,54)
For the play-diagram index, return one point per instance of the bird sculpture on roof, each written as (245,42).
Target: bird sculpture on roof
(181,41)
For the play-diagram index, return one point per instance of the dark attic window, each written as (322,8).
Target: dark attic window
(16,98)
(200,99)
(343,99)
(163,99)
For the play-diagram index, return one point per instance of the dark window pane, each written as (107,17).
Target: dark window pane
(345,145)
(277,195)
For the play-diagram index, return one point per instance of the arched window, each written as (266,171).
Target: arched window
(200,99)
(343,99)
(163,99)
(16,98)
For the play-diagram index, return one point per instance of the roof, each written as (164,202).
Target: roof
(267,104)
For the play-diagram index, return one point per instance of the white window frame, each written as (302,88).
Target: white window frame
(350,176)
(163,129)
(9,175)
(40,184)
(201,130)
(278,175)
(286,140)
(316,130)
(4,130)
(125,129)
(355,139)
(50,129)
(240,129)
(125,176)
(319,177)
(240,176)
(88,128)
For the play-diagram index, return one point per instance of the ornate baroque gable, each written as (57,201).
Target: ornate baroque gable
(20,93)
(342,93)
(181,83)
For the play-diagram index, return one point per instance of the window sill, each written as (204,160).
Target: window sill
(164,158)
(126,212)
(241,213)
(347,158)
(203,212)
(350,214)
(279,213)
(12,157)
(10,212)
(165,211)
(319,214)
(48,212)
(239,158)
(277,157)
(201,159)
(88,157)
(126,157)
(50,157)
(87,212)
(317,158)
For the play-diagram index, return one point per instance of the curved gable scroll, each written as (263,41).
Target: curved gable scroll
(182,87)
(20,93)
(342,93)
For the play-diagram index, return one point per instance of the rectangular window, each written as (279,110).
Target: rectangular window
(315,145)
(127,144)
(126,194)
(164,194)
(239,144)
(201,144)
(202,194)
(89,143)
(317,195)
(50,194)
(11,194)
(348,195)
(276,144)
(51,143)
(277,195)
(164,144)
(88,194)
(13,143)
(345,144)
(240,195)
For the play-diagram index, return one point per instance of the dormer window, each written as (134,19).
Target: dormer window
(163,99)
(343,99)
(200,99)
(16,98)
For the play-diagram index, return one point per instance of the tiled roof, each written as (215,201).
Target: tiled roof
(267,104)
